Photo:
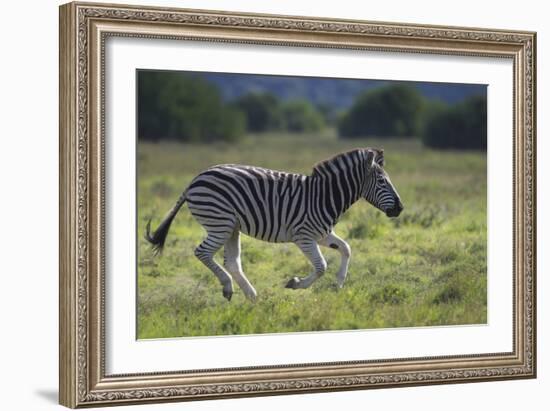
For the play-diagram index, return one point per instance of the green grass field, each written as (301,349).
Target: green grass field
(428,267)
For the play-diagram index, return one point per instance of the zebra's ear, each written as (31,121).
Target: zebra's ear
(370,161)
(380,157)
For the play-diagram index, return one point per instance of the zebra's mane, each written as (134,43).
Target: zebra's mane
(379,158)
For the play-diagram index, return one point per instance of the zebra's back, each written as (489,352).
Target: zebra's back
(265,204)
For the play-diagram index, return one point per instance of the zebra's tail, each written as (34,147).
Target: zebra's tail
(158,238)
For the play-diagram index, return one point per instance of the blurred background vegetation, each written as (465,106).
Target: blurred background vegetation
(194,107)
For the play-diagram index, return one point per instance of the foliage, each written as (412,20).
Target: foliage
(182,107)
(389,111)
(329,113)
(263,112)
(190,108)
(338,93)
(461,126)
(425,268)
(300,116)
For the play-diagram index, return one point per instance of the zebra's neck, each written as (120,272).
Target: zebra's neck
(334,189)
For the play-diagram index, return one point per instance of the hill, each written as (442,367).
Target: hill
(338,93)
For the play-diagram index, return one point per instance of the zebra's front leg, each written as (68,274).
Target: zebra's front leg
(335,242)
(312,252)
(205,252)
(232,262)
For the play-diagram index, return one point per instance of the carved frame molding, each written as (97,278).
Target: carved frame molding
(84,27)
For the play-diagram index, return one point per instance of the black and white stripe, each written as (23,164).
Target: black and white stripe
(276,206)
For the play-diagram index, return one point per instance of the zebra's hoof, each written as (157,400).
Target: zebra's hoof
(228,294)
(251,296)
(293,283)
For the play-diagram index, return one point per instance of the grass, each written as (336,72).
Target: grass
(426,268)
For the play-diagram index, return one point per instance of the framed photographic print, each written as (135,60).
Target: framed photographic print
(258,204)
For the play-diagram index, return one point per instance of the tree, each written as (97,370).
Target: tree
(462,126)
(262,111)
(174,105)
(389,111)
(328,112)
(301,116)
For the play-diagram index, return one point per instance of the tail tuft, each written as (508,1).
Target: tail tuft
(158,238)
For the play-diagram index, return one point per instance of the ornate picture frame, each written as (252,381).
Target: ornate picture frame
(84,29)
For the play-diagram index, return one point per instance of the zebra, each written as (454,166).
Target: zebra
(280,207)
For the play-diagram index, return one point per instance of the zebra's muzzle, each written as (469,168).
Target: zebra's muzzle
(396,210)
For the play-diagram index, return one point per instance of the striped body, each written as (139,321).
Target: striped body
(278,207)
(268,205)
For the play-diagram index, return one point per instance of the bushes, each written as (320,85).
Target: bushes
(173,105)
(180,106)
(300,116)
(264,112)
(187,107)
(462,126)
(400,111)
(389,111)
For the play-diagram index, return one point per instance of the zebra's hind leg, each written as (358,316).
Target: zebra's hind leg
(311,250)
(335,242)
(205,252)
(232,262)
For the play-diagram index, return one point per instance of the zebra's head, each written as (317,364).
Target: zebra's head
(379,190)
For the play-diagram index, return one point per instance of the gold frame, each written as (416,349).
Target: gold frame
(83,30)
